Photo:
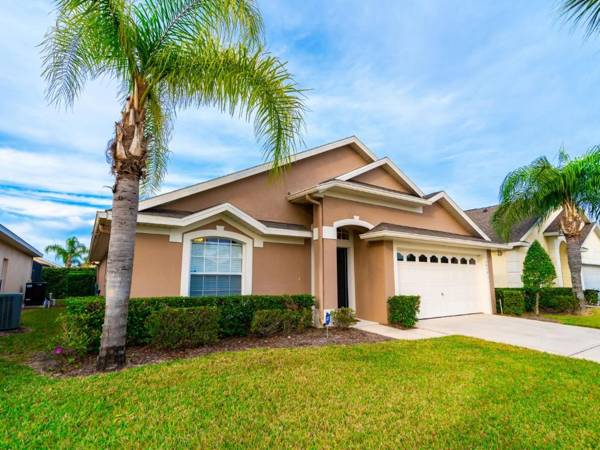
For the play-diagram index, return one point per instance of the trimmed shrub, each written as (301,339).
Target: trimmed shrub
(591,296)
(72,282)
(343,318)
(403,310)
(184,327)
(268,322)
(555,299)
(511,302)
(235,313)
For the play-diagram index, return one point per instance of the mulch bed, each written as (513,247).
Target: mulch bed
(137,356)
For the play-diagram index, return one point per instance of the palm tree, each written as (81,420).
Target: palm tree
(539,189)
(74,252)
(583,11)
(166,54)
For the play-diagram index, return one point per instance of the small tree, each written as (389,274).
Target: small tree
(538,272)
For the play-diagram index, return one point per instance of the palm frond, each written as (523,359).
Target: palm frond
(253,85)
(585,12)
(161,22)
(159,115)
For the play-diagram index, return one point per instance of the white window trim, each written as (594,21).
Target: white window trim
(219,232)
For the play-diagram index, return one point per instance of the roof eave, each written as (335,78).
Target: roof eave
(399,235)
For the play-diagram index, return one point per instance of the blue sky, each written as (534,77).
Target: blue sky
(456,92)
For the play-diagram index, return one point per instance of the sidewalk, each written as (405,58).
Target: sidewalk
(395,333)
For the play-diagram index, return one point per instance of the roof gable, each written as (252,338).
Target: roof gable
(385,174)
(351,142)
(15,241)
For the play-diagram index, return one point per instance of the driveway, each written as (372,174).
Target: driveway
(565,340)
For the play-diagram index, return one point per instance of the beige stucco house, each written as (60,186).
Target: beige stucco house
(16,259)
(341,223)
(508,264)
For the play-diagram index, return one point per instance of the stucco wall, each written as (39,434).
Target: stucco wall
(374,278)
(379,177)
(281,269)
(18,271)
(265,197)
(434,217)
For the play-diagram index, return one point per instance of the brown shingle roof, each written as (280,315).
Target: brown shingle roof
(414,230)
(483,218)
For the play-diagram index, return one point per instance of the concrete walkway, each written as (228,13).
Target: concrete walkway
(564,340)
(395,333)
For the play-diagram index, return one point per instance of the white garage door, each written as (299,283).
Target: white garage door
(591,276)
(448,284)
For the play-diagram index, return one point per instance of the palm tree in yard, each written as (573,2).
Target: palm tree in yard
(166,54)
(586,12)
(74,252)
(539,189)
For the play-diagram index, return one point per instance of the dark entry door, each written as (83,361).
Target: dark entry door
(342,277)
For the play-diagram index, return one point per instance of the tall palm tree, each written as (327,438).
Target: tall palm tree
(539,189)
(166,54)
(74,252)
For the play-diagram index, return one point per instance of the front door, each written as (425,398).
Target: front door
(342,277)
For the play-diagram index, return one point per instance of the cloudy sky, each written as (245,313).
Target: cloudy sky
(457,92)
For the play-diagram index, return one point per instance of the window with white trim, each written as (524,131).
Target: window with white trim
(215,267)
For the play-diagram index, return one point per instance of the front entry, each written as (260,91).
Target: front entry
(342,277)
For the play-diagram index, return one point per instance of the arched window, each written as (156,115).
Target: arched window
(422,258)
(472,261)
(215,267)
(411,257)
(444,260)
(463,260)
(433,259)
(399,257)
(454,260)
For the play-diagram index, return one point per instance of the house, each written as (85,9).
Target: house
(508,264)
(16,260)
(342,224)
(38,264)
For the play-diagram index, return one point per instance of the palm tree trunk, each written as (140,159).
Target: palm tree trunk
(574,259)
(537,303)
(118,270)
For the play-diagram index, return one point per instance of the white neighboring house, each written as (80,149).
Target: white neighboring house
(16,260)
(508,264)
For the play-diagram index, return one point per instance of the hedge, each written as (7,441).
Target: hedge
(403,310)
(591,296)
(184,327)
(555,300)
(269,322)
(69,282)
(510,301)
(235,313)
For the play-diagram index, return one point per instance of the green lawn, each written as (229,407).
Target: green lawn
(43,325)
(591,319)
(453,392)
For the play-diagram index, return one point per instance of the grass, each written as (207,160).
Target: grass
(43,326)
(590,319)
(453,392)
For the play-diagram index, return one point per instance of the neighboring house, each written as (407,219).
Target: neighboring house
(16,260)
(508,264)
(38,265)
(348,227)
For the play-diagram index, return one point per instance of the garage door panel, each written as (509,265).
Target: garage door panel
(445,289)
(591,276)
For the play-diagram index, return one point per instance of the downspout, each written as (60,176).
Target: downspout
(320,243)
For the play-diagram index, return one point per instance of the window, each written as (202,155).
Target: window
(472,261)
(215,267)
(422,258)
(411,257)
(444,260)
(454,260)
(399,257)
(343,235)
(463,260)
(433,259)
